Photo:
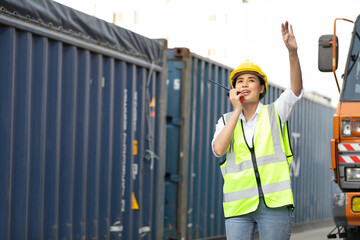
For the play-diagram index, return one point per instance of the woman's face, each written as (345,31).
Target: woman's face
(249,85)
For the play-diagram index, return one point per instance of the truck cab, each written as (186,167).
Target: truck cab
(345,146)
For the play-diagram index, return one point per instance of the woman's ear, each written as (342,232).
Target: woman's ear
(262,88)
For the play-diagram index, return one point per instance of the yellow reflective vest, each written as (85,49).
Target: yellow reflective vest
(261,170)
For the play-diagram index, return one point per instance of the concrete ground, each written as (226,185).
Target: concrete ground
(311,231)
(313,234)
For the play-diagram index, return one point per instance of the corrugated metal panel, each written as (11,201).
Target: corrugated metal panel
(312,129)
(204,198)
(194,200)
(77,137)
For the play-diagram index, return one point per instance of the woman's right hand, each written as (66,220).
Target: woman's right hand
(222,140)
(234,97)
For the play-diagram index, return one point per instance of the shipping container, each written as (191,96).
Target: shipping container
(193,184)
(82,126)
(193,179)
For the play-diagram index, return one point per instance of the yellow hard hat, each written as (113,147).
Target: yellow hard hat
(248,67)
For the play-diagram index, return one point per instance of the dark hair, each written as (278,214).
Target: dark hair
(262,82)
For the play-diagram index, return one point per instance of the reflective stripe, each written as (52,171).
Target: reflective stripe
(224,169)
(275,134)
(227,116)
(348,147)
(247,164)
(349,159)
(275,158)
(253,192)
(242,194)
(276,187)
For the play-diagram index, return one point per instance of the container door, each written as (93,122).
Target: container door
(173,124)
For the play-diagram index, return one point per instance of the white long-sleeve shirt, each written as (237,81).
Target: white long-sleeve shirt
(284,106)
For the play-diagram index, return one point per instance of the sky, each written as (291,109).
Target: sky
(250,30)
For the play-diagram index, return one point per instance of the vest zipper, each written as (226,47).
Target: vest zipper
(256,170)
(253,159)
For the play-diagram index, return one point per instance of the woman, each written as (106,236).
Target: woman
(254,137)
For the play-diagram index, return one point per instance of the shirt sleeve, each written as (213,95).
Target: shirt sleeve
(285,104)
(219,126)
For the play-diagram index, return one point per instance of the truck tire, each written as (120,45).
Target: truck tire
(353,233)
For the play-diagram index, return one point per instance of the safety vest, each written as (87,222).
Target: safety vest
(263,168)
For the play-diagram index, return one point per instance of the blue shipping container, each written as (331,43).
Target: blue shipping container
(82,126)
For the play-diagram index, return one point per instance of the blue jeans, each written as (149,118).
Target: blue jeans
(272,223)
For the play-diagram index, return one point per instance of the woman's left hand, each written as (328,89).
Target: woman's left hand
(288,36)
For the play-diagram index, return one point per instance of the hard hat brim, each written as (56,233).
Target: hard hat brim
(236,75)
(247,72)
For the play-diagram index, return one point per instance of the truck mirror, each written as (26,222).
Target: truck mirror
(326,53)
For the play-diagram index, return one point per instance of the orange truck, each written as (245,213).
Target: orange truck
(345,147)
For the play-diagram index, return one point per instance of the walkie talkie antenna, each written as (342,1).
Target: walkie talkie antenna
(219,85)
(228,90)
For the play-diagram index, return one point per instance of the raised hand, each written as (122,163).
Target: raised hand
(288,36)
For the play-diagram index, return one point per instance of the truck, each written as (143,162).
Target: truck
(345,145)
